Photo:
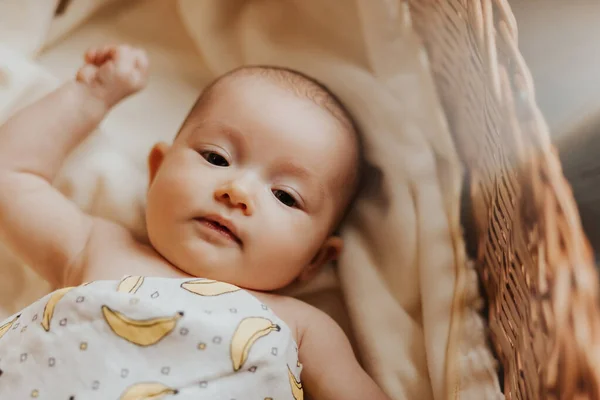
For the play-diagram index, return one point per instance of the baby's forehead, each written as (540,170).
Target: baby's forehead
(293,82)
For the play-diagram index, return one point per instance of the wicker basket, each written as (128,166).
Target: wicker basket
(534,260)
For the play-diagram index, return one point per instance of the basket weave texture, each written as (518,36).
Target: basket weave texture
(534,261)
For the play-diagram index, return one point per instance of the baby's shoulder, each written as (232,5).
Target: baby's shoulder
(286,306)
(298,315)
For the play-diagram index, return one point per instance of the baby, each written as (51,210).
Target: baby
(244,202)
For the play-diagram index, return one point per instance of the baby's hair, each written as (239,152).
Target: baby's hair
(306,87)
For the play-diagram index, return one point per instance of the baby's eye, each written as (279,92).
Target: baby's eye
(285,198)
(215,159)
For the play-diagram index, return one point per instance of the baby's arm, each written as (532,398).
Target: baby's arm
(41,226)
(331,371)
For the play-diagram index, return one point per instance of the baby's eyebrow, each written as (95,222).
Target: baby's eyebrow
(233,134)
(290,168)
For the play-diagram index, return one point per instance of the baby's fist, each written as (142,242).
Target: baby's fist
(114,72)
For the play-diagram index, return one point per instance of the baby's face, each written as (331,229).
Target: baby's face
(252,186)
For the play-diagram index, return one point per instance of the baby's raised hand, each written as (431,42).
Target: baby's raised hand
(114,72)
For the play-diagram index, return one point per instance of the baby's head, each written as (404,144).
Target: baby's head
(256,182)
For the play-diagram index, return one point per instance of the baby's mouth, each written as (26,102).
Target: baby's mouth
(220,228)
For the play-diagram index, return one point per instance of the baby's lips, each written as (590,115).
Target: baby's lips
(225,226)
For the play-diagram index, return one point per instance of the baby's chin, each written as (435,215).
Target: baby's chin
(204,261)
(260,282)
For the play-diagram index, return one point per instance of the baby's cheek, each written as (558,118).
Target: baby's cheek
(293,238)
(180,189)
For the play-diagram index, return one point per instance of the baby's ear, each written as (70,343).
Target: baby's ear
(329,251)
(155,159)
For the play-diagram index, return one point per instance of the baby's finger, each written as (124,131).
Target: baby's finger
(106,53)
(121,53)
(86,73)
(90,55)
(98,56)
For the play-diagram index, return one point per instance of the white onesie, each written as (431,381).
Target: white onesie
(148,338)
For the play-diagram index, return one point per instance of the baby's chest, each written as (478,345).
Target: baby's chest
(152,329)
(111,264)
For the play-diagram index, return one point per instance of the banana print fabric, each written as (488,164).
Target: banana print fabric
(142,338)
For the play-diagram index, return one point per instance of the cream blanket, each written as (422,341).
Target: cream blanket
(408,293)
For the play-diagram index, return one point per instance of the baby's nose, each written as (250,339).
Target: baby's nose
(236,196)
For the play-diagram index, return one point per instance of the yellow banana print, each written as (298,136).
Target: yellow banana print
(141,332)
(4,328)
(297,389)
(51,304)
(249,331)
(208,287)
(130,284)
(147,391)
